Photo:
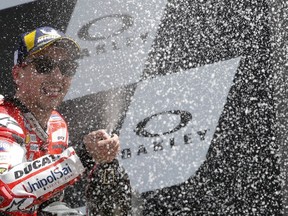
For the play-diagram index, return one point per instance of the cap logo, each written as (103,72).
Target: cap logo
(48,35)
(29,40)
(50,32)
(46,38)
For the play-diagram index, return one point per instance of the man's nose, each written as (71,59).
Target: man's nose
(56,73)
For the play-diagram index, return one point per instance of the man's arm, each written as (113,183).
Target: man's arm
(31,183)
(24,185)
(11,140)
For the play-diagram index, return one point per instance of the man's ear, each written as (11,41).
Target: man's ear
(17,74)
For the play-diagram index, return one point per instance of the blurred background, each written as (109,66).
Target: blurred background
(195,89)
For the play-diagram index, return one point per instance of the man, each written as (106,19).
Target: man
(34,160)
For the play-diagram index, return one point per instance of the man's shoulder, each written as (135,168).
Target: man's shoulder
(7,107)
(1,99)
(10,118)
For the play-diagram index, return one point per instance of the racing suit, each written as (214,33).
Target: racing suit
(22,139)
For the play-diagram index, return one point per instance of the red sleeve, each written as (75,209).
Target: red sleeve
(11,140)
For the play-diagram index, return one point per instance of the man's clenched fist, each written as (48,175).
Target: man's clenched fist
(102,147)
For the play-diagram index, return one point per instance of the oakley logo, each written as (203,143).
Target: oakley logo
(126,21)
(185,117)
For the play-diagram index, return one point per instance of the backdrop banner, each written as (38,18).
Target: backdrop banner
(196,91)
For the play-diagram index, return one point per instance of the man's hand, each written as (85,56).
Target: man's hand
(101,146)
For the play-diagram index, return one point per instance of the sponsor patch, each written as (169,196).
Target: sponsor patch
(30,138)
(58,146)
(34,147)
(55,117)
(45,160)
(52,177)
(4,157)
(59,135)
(5,146)
(2,170)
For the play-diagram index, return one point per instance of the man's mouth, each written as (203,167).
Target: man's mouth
(52,91)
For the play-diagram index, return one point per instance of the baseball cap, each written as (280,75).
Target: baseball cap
(40,38)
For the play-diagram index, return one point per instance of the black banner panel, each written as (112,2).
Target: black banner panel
(196,91)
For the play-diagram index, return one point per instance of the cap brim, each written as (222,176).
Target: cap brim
(63,42)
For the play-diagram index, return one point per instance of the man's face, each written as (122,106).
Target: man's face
(41,85)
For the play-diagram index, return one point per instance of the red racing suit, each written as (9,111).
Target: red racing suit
(22,138)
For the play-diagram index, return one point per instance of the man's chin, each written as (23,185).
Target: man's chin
(51,104)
